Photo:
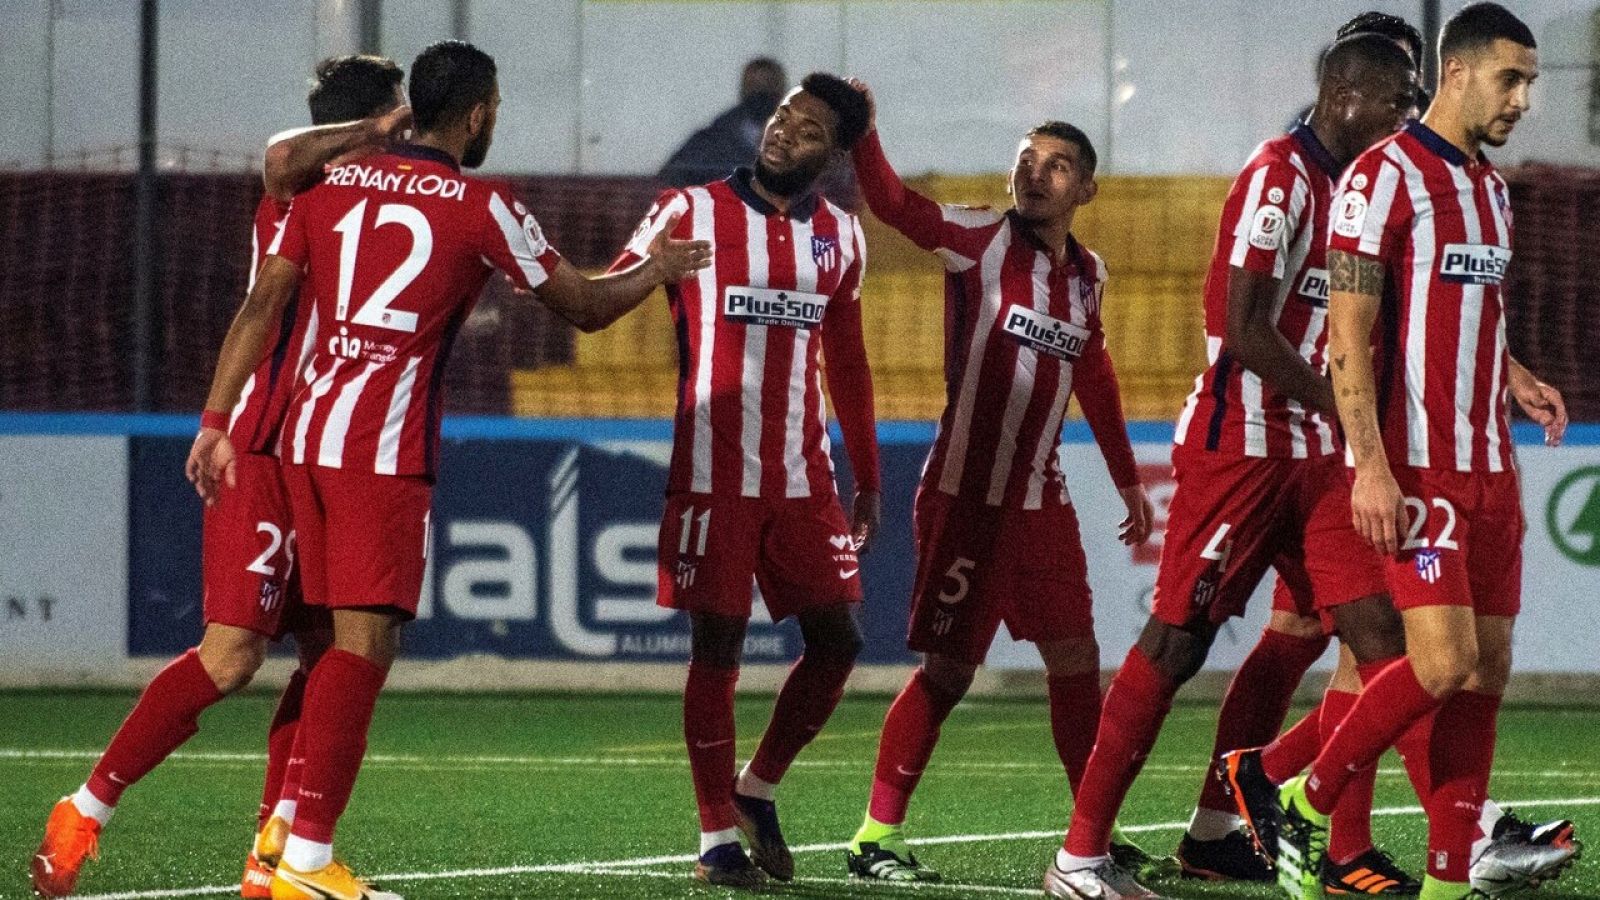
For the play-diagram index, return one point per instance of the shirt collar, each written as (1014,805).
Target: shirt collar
(1307,138)
(1440,147)
(740,181)
(417,151)
(1075,257)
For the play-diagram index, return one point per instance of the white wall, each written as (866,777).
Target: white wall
(614,85)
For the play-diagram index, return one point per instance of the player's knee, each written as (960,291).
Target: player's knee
(1303,627)
(1372,629)
(716,641)
(310,645)
(1074,656)
(1447,670)
(1177,653)
(1493,672)
(233,670)
(951,677)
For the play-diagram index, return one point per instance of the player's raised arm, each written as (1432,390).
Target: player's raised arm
(211,460)
(295,159)
(1355,292)
(591,304)
(1543,403)
(844,353)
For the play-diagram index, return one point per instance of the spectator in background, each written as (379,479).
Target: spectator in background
(730,141)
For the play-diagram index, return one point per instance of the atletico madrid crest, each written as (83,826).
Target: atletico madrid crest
(825,252)
(1428,568)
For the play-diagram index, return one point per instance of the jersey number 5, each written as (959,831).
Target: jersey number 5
(375,311)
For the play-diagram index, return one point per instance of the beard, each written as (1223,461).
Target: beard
(790,183)
(477,151)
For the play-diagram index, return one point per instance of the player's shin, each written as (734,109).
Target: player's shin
(166,715)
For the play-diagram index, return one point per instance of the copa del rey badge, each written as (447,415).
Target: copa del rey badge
(825,252)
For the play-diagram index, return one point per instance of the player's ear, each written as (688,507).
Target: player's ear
(477,118)
(1088,192)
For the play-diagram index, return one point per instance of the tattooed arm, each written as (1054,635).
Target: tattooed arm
(1356,289)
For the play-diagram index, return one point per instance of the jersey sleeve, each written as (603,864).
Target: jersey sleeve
(290,240)
(958,234)
(515,244)
(849,377)
(1094,383)
(1371,215)
(669,204)
(1273,212)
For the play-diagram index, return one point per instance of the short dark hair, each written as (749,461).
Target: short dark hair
(1072,134)
(345,88)
(1478,25)
(1354,57)
(1392,27)
(845,101)
(448,79)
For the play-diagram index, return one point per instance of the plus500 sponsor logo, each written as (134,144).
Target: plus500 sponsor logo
(1314,287)
(765,306)
(1046,334)
(1473,263)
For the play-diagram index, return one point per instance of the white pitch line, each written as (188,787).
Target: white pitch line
(620,867)
(456,762)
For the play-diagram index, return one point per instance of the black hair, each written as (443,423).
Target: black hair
(1361,54)
(1392,27)
(345,88)
(1072,134)
(1478,25)
(448,79)
(845,101)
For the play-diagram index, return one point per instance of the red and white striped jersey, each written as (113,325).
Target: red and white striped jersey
(396,248)
(1022,334)
(253,424)
(751,419)
(1441,225)
(1274,222)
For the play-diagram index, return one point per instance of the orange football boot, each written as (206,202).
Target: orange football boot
(70,837)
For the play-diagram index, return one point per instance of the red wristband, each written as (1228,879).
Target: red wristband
(212,419)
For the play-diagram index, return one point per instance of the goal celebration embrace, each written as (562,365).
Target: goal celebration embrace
(750,641)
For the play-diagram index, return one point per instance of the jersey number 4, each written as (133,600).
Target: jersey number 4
(375,311)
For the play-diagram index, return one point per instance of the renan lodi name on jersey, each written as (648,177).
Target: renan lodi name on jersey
(429,185)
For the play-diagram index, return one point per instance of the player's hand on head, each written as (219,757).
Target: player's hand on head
(211,464)
(1378,509)
(1135,529)
(678,259)
(872,102)
(395,123)
(865,516)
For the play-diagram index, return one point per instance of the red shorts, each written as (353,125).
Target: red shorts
(363,537)
(248,554)
(980,565)
(1233,517)
(1463,541)
(799,552)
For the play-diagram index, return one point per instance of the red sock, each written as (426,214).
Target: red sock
(1463,753)
(1258,700)
(1350,835)
(708,733)
(1386,708)
(1135,706)
(340,696)
(1074,719)
(166,715)
(1414,743)
(807,699)
(280,743)
(910,731)
(1292,751)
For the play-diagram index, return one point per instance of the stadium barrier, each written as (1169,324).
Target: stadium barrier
(542,572)
(66,289)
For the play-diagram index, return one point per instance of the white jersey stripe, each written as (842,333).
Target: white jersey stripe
(330,452)
(1423,252)
(797,484)
(1247,217)
(1471,314)
(1022,378)
(319,387)
(525,254)
(755,358)
(1497,376)
(1383,191)
(394,423)
(1255,421)
(244,400)
(989,310)
(703,229)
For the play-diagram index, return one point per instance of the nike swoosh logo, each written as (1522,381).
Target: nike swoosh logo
(113,776)
(902,771)
(45,861)
(846,573)
(707,745)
